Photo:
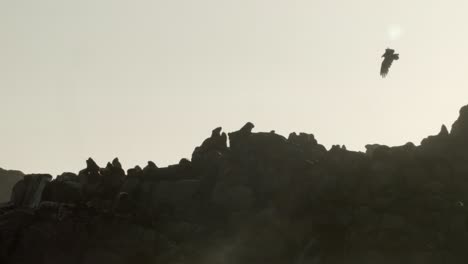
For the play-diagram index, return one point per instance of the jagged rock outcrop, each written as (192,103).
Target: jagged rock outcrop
(263,199)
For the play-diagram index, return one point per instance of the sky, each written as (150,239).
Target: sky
(149,80)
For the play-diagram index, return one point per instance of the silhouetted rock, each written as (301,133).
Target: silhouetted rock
(111,180)
(185,162)
(308,144)
(263,199)
(116,163)
(91,166)
(8,178)
(135,172)
(28,191)
(65,188)
(438,144)
(151,167)
(460,126)
(216,143)
(237,138)
(68,177)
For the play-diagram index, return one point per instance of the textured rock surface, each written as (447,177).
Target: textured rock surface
(263,199)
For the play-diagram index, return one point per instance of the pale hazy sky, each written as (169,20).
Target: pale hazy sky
(149,80)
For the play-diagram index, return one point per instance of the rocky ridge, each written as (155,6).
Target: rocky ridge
(264,199)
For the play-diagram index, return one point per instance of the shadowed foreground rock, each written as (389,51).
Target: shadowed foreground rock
(263,199)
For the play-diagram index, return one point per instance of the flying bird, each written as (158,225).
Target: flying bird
(389,56)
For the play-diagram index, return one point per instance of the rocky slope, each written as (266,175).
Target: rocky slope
(8,178)
(263,199)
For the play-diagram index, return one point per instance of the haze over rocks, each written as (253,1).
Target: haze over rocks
(264,199)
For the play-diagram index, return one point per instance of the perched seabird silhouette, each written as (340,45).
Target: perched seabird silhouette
(389,56)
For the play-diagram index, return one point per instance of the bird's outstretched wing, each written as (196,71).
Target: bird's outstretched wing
(386,63)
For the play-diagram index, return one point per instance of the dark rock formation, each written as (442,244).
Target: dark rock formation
(8,178)
(27,193)
(263,199)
